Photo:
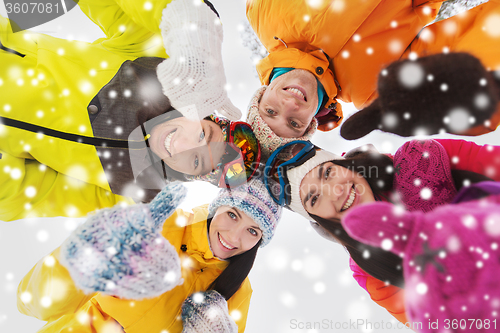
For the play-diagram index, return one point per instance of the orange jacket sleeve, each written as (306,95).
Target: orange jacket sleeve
(387,296)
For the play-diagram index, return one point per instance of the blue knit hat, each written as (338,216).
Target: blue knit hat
(253,199)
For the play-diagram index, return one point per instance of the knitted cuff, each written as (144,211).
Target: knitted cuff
(166,202)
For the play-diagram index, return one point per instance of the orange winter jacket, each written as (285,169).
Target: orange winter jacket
(345,43)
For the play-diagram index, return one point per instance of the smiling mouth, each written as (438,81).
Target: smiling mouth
(298,93)
(168,141)
(226,245)
(350,199)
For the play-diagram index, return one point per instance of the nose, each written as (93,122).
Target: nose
(289,104)
(333,191)
(185,142)
(234,235)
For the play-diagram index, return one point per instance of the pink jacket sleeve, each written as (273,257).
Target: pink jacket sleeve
(466,155)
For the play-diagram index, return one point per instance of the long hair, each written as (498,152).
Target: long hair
(382,265)
(230,280)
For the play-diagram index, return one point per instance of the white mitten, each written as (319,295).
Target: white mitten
(207,312)
(193,77)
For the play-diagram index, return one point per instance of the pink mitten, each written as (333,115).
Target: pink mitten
(451,261)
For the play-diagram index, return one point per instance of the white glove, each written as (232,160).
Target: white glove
(193,77)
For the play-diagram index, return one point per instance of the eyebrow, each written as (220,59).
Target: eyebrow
(237,213)
(306,199)
(320,172)
(210,134)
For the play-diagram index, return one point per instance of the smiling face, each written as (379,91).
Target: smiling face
(184,145)
(289,103)
(329,191)
(232,232)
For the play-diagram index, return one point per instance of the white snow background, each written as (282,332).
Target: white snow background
(298,277)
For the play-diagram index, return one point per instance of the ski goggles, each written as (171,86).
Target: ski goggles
(242,156)
(287,157)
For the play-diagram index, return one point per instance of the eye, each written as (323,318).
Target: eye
(196,162)
(202,135)
(327,172)
(271,112)
(313,200)
(294,124)
(253,232)
(232,215)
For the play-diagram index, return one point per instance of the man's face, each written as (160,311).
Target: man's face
(188,146)
(289,103)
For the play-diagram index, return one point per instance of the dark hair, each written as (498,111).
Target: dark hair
(382,265)
(230,280)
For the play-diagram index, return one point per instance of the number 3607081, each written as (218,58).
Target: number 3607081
(31,7)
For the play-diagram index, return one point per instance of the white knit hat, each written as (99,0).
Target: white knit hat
(297,174)
(269,141)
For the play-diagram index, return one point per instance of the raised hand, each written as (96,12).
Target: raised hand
(120,251)
(450,257)
(193,77)
(449,92)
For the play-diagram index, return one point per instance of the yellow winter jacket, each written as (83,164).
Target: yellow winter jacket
(49,82)
(69,310)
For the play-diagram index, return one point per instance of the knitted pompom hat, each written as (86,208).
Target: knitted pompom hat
(207,312)
(253,199)
(269,141)
(298,173)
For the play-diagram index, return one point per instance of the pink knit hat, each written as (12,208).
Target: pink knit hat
(269,141)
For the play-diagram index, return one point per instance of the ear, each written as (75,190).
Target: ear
(362,122)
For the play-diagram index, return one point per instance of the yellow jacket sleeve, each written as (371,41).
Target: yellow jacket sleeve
(37,190)
(131,27)
(47,292)
(111,14)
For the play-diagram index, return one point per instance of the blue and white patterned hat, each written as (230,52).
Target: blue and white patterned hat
(253,199)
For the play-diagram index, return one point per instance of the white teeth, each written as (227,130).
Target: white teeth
(349,202)
(226,245)
(168,139)
(296,92)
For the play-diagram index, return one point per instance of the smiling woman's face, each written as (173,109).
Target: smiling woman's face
(289,103)
(184,145)
(329,191)
(232,232)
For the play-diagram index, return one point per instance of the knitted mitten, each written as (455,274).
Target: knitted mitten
(120,251)
(423,176)
(206,312)
(450,258)
(450,92)
(193,77)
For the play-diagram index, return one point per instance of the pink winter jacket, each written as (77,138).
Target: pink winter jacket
(463,155)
